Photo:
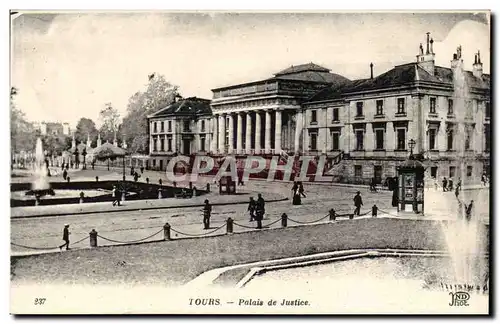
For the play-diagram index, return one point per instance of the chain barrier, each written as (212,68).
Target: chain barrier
(299,222)
(45,248)
(125,242)
(244,226)
(385,212)
(197,235)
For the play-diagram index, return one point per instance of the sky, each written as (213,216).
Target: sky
(68,65)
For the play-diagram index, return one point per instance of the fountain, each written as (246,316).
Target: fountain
(40,185)
(465,236)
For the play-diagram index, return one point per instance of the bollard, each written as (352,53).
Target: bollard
(208,187)
(351,216)
(82,195)
(166,232)
(332,214)
(147,180)
(195,193)
(190,185)
(160,182)
(93,238)
(37,200)
(284,220)
(159,194)
(175,184)
(374,211)
(96,179)
(229,225)
(67,179)
(123,177)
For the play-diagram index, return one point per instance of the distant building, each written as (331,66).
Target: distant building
(180,128)
(53,128)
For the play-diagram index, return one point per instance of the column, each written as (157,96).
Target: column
(248,134)
(196,146)
(239,134)
(258,125)
(267,136)
(298,131)
(213,134)
(231,134)
(390,139)
(442,138)
(151,149)
(369,138)
(222,133)
(277,136)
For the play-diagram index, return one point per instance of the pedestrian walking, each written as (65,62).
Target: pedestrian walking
(358,202)
(142,169)
(65,237)
(116,196)
(445,184)
(450,184)
(207,212)
(301,189)
(295,187)
(260,211)
(251,208)
(93,165)
(296,200)
(65,174)
(240,178)
(136,176)
(373,185)
(468,211)
(132,173)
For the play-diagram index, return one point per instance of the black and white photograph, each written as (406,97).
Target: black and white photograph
(250,162)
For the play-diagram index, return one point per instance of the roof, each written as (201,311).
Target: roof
(188,106)
(302,68)
(401,75)
(309,72)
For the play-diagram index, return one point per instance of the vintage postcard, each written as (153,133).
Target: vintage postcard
(216,162)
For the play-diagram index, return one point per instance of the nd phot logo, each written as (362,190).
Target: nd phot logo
(459,298)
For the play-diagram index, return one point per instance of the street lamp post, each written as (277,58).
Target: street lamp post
(411,144)
(84,154)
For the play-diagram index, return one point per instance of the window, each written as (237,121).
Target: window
(450,140)
(469,171)
(313,117)
(452,171)
(401,138)
(450,106)
(202,144)
(162,144)
(169,125)
(162,128)
(380,107)
(335,141)
(432,138)
(335,116)
(186,125)
(434,171)
(359,109)
(432,105)
(379,139)
(487,109)
(401,105)
(154,162)
(358,171)
(203,126)
(155,143)
(314,140)
(169,144)
(360,136)
(154,127)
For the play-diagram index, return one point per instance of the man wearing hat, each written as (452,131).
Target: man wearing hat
(65,237)
(358,202)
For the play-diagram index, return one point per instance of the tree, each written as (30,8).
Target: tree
(110,118)
(159,94)
(85,127)
(22,132)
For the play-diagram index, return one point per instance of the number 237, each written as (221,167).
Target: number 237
(40,301)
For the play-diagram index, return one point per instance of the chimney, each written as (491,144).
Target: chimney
(457,61)
(426,61)
(371,70)
(477,67)
(427,51)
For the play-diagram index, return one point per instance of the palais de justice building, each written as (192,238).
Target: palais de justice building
(362,126)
